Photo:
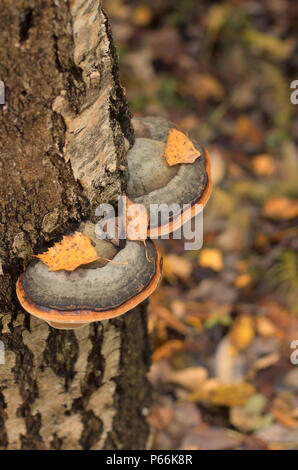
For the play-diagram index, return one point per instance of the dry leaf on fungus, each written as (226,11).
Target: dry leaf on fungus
(179,149)
(73,251)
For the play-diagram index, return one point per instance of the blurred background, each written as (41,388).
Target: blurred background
(224,321)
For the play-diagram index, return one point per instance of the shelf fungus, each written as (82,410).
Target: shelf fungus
(167,169)
(118,280)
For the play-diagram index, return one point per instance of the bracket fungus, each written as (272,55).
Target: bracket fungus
(153,182)
(116,282)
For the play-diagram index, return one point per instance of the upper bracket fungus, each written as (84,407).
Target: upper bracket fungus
(116,282)
(153,180)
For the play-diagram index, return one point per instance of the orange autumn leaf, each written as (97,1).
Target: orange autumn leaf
(73,251)
(168,349)
(179,149)
(280,208)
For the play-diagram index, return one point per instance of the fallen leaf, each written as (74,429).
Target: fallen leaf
(211,258)
(165,314)
(284,418)
(266,361)
(73,251)
(263,165)
(160,416)
(278,49)
(203,87)
(230,367)
(190,378)
(142,15)
(216,17)
(242,333)
(225,395)
(276,434)
(264,326)
(214,438)
(176,266)
(242,281)
(179,149)
(247,131)
(195,322)
(168,349)
(232,395)
(249,417)
(280,208)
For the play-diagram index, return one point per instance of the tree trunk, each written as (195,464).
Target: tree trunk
(64,130)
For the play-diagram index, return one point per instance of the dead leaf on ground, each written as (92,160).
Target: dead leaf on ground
(266,361)
(230,367)
(160,416)
(242,332)
(263,165)
(278,49)
(168,349)
(264,326)
(176,266)
(247,131)
(203,87)
(277,435)
(142,15)
(243,281)
(250,416)
(210,439)
(225,395)
(211,258)
(281,208)
(165,314)
(190,378)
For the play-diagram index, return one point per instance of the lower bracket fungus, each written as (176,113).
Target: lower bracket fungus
(181,181)
(116,282)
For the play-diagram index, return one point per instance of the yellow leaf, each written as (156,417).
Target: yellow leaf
(190,378)
(264,326)
(203,87)
(242,281)
(211,258)
(142,15)
(168,349)
(242,332)
(225,395)
(195,322)
(232,395)
(263,165)
(73,251)
(216,17)
(280,208)
(277,48)
(179,149)
(176,266)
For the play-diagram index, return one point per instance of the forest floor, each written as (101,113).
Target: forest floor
(224,321)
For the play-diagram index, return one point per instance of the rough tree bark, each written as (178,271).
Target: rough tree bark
(64,131)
